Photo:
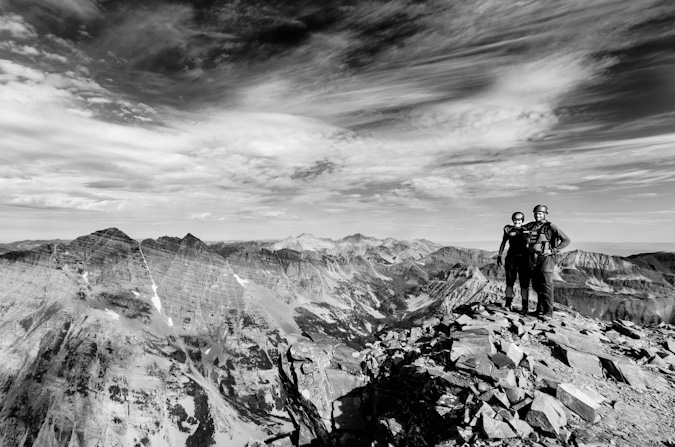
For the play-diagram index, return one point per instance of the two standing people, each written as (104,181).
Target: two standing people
(542,241)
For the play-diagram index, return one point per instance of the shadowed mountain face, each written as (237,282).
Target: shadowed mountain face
(107,341)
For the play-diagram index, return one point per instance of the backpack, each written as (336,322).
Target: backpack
(543,234)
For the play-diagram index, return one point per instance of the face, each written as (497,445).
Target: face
(518,221)
(539,216)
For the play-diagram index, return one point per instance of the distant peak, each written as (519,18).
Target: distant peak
(357,237)
(113,233)
(192,241)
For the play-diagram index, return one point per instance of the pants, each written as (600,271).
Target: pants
(517,266)
(542,283)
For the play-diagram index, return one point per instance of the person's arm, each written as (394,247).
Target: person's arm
(562,237)
(505,237)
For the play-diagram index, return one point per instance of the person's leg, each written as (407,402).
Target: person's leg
(537,280)
(546,297)
(511,270)
(524,276)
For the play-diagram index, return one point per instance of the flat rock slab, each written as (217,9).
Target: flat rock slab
(522,428)
(579,402)
(479,364)
(623,371)
(514,394)
(502,360)
(495,429)
(503,377)
(515,353)
(472,347)
(627,329)
(669,344)
(546,413)
(546,375)
(581,361)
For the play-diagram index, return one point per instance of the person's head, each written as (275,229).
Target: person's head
(540,212)
(518,218)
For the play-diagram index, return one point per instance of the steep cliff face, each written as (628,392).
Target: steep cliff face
(453,288)
(662,262)
(609,287)
(90,355)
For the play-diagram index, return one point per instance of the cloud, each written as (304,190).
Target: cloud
(65,202)
(200,216)
(16,26)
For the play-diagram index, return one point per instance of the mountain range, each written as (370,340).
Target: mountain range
(109,341)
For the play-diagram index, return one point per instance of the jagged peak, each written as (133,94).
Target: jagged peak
(113,233)
(194,242)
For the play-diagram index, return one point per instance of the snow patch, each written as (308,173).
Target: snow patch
(112,314)
(242,282)
(321,312)
(305,394)
(136,294)
(155,299)
(373,312)
(169,321)
(207,351)
(419,302)
(84,276)
(599,285)
(629,278)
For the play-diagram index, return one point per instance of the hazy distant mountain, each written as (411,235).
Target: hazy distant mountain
(610,248)
(27,245)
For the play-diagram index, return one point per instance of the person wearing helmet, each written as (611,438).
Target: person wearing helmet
(517,263)
(545,241)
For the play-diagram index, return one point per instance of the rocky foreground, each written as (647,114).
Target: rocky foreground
(486,376)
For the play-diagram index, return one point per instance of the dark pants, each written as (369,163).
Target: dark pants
(517,266)
(542,283)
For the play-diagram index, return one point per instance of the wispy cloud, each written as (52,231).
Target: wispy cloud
(473,105)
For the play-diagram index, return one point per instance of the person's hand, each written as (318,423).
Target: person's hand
(499,261)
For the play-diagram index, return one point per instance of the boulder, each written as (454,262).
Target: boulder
(502,361)
(522,428)
(627,328)
(515,353)
(623,371)
(581,361)
(546,375)
(546,413)
(479,364)
(495,429)
(669,344)
(514,394)
(579,402)
(503,377)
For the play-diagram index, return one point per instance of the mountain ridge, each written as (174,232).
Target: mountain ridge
(211,344)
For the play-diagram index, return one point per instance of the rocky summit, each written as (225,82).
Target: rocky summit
(108,341)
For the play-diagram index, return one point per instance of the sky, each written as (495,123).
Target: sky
(244,119)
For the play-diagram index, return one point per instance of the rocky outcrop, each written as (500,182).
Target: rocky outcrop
(491,377)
